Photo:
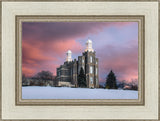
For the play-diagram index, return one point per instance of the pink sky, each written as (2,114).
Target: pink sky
(44,45)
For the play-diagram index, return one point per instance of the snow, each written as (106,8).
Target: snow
(37,92)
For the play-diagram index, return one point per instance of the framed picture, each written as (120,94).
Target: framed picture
(67,72)
(80,60)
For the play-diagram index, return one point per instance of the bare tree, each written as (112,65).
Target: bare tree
(121,84)
(134,84)
(44,76)
(24,80)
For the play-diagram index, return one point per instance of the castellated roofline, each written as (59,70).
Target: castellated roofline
(89,50)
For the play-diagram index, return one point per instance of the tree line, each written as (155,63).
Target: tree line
(110,82)
(40,79)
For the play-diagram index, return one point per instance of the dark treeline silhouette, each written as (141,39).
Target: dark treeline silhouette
(44,75)
(133,85)
(45,78)
(42,78)
(24,79)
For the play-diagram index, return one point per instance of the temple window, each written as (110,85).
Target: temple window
(96,71)
(91,69)
(91,59)
(91,80)
(83,67)
(82,60)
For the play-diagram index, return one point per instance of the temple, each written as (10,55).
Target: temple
(67,74)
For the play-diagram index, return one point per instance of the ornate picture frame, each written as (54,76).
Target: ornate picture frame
(20,19)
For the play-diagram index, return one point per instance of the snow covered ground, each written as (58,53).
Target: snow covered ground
(36,92)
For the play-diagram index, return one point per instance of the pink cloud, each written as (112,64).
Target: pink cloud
(124,62)
(28,71)
(46,58)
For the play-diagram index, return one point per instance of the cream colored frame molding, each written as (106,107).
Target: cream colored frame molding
(80,110)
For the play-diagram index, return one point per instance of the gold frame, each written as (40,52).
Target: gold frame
(99,18)
(75,1)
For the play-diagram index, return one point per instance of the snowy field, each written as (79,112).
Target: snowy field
(36,92)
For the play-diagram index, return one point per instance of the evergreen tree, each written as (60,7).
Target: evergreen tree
(111,81)
(82,79)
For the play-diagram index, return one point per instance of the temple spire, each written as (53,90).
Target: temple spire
(89,46)
(69,56)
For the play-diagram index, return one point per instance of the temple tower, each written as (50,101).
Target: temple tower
(91,66)
(69,56)
(89,46)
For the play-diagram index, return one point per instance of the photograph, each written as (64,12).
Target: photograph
(80,60)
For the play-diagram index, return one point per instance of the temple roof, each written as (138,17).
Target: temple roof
(89,41)
(69,51)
